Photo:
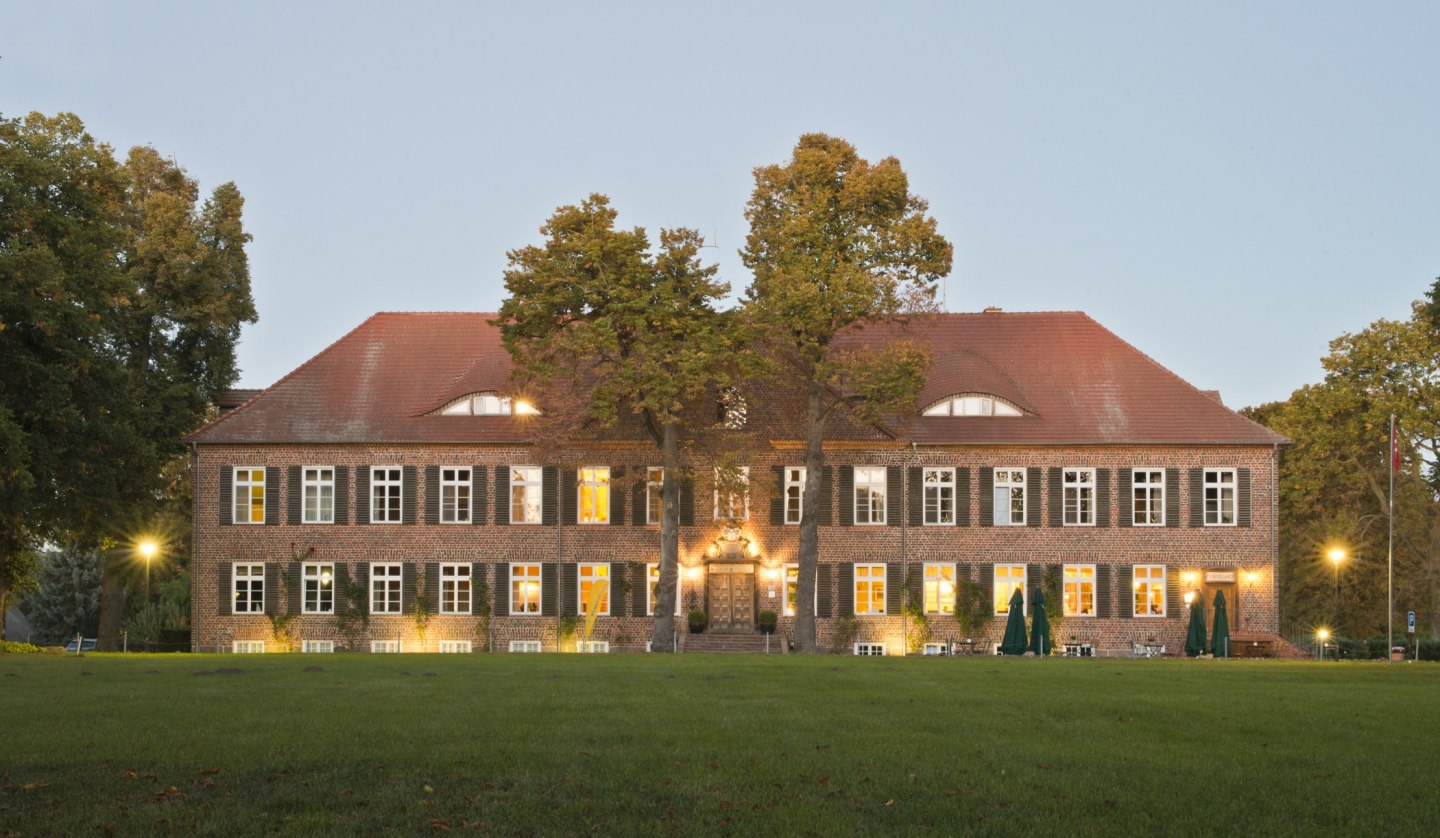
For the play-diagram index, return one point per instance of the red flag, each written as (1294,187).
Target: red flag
(1394,447)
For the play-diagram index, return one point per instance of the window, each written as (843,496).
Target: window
(524,589)
(590,576)
(319,580)
(455,495)
(1009,578)
(654,484)
(1219,497)
(869,589)
(792,584)
(1150,590)
(976,404)
(385,647)
(939,489)
(653,574)
(319,506)
(455,647)
(594,495)
(794,493)
(1079,590)
(939,588)
(249,582)
(1148,497)
(525,494)
(869,495)
(1079,487)
(870,649)
(530,646)
(386,483)
(488,403)
(249,495)
(385,588)
(248,647)
(323,647)
(592,647)
(454,589)
(732,496)
(1009,497)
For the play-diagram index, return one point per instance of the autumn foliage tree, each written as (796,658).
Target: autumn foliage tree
(837,243)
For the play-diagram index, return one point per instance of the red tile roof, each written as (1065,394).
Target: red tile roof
(1076,381)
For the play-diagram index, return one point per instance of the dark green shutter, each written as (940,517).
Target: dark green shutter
(894,588)
(362,581)
(1125,589)
(549,590)
(569,585)
(408,479)
(1032,496)
(407,588)
(271,603)
(342,494)
(777,500)
(549,495)
(1242,497)
(1057,497)
(479,497)
(987,497)
(340,581)
(824,591)
(617,495)
(639,588)
(227,494)
(687,502)
(297,588)
(1034,580)
(570,501)
(987,583)
(1126,511)
(502,590)
(502,495)
(432,494)
(1197,497)
(362,494)
(226,598)
(894,503)
(1173,597)
(639,498)
(827,479)
(962,497)
(272,495)
(1172,497)
(296,495)
(847,589)
(1102,497)
(618,604)
(847,497)
(916,489)
(1103,591)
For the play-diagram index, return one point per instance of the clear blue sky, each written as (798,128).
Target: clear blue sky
(1227,185)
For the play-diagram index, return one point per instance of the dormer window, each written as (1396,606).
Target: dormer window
(488,404)
(972,404)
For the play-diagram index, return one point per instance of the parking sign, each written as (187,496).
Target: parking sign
(1412,623)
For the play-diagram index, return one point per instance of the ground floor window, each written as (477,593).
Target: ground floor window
(652,572)
(249,581)
(524,589)
(318,646)
(940,588)
(594,583)
(454,589)
(385,647)
(455,647)
(1079,590)
(1009,578)
(1150,590)
(877,649)
(319,589)
(869,589)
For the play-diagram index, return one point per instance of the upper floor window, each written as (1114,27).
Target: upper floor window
(1219,497)
(972,404)
(386,483)
(654,486)
(594,495)
(1079,487)
(869,495)
(732,496)
(939,489)
(733,410)
(455,495)
(525,494)
(319,489)
(794,493)
(249,495)
(1009,497)
(1148,497)
(488,403)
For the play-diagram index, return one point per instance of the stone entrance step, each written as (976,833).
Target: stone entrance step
(720,642)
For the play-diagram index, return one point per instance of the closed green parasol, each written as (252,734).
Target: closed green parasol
(1220,636)
(1014,642)
(1195,638)
(1041,642)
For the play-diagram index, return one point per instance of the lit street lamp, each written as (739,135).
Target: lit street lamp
(1322,635)
(147,549)
(1336,556)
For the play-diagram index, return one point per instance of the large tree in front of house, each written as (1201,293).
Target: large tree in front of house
(837,243)
(600,327)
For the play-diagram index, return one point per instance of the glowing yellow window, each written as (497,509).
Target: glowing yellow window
(525,589)
(1008,579)
(590,575)
(249,495)
(1079,590)
(1150,590)
(594,495)
(939,589)
(869,589)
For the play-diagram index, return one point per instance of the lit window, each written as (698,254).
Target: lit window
(249,495)
(594,495)
(249,581)
(794,493)
(524,589)
(869,495)
(319,592)
(733,501)
(319,495)
(1079,488)
(386,485)
(1219,497)
(591,576)
(975,404)
(1148,497)
(654,486)
(792,584)
(1009,497)
(653,574)
(939,491)
(1009,578)
(869,589)
(1150,590)
(455,495)
(525,495)
(1079,590)
(939,588)
(454,589)
(385,588)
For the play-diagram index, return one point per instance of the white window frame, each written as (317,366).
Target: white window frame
(1147,494)
(592,647)
(527,494)
(652,576)
(244,492)
(390,575)
(322,576)
(318,495)
(1152,583)
(869,649)
(317,647)
(1003,486)
(938,484)
(247,578)
(743,473)
(595,571)
(654,497)
(1221,488)
(874,492)
(457,500)
(526,579)
(247,647)
(1002,602)
(972,404)
(794,494)
(792,586)
(387,483)
(527,646)
(456,588)
(872,581)
(1078,488)
(593,495)
(934,581)
(386,647)
(456,647)
(1076,578)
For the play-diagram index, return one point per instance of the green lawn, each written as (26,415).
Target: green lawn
(625,744)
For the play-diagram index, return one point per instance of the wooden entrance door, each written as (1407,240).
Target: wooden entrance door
(731,590)
(1222,581)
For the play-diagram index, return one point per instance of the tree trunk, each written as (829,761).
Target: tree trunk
(4,606)
(662,638)
(809,552)
(112,605)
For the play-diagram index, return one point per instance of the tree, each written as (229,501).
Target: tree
(837,244)
(602,329)
(66,601)
(120,304)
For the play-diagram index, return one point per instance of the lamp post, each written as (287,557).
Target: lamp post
(1322,635)
(1336,556)
(147,550)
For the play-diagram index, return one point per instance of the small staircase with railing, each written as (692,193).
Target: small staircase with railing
(723,642)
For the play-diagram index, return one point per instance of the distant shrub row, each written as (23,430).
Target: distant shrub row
(1376,648)
(9,647)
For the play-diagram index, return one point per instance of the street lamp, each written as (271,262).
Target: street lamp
(147,548)
(1322,635)
(1336,556)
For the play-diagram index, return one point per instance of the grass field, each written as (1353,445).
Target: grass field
(629,744)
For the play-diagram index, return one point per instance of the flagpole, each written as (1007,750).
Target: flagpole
(1390,550)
